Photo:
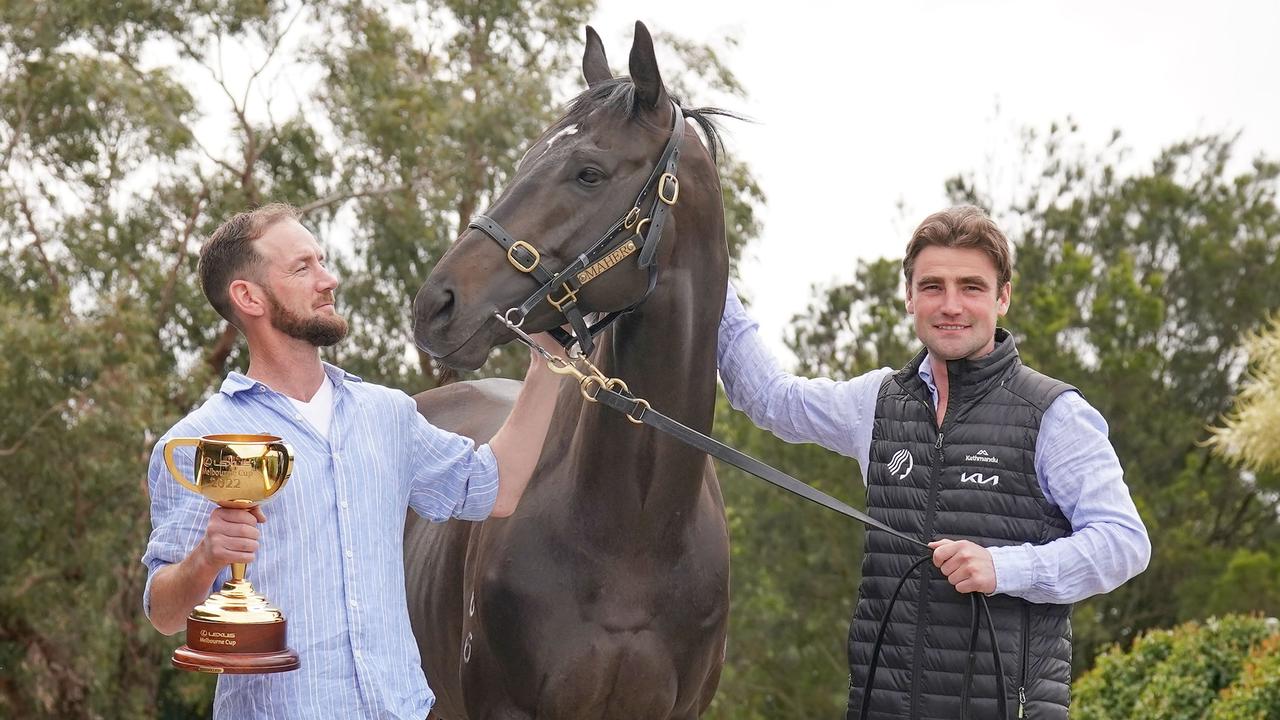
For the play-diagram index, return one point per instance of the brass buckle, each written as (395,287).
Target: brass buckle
(584,387)
(675,189)
(631,218)
(642,406)
(640,226)
(569,296)
(530,249)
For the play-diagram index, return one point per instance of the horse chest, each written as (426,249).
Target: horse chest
(601,632)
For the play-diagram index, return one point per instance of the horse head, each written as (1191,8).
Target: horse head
(577,231)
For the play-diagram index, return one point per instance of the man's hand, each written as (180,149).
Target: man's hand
(231,537)
(967,566)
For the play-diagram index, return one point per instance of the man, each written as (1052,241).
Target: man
(1006,473)
(333,554)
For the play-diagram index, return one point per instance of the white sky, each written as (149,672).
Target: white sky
(864,106)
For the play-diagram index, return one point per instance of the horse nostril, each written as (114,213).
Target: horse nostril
(444,310)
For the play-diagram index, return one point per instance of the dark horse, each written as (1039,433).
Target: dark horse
(606,594)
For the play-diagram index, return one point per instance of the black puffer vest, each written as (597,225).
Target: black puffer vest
(973,479)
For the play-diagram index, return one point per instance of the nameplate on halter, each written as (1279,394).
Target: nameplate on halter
(606,262)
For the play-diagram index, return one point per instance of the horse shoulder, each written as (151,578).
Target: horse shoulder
(472,408)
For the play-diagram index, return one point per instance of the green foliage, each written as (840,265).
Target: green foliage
(1256,695)
(1214,669)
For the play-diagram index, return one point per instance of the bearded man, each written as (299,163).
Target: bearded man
(363,456)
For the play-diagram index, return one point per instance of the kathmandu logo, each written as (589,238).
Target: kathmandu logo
(979,479)
(982,456)
(902,464)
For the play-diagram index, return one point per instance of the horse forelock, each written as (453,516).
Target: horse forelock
(617,95)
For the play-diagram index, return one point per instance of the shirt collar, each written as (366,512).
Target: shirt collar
(236,382)
(926,373)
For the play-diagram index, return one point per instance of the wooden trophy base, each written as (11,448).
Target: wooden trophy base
(235,648)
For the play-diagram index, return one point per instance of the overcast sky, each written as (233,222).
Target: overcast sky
(863,106)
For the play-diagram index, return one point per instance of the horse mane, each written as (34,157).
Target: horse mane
(618,94)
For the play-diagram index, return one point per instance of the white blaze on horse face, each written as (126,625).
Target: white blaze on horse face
(571,130)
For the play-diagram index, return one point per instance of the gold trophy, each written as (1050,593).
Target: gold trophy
(235,630)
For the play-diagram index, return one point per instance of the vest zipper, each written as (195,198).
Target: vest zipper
(924,576)
(1026,647)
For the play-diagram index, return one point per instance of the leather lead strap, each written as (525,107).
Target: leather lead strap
(642,413)
(639,411)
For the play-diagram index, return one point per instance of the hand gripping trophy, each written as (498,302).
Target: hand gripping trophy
(235,630)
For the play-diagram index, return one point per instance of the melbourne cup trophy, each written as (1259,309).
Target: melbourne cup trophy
(235,630)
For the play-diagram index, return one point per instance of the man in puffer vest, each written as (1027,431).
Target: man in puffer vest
(1006,473)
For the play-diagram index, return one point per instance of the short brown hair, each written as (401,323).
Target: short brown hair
(229,255)
(964,226)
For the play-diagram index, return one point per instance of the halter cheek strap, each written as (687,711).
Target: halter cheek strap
(624,237)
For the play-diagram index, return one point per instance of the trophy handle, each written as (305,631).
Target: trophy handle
(173,467)
(286,459)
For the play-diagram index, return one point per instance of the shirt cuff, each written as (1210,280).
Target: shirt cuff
(482,486)
(1015,568)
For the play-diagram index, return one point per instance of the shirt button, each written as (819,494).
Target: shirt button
(350,554)
(297,417)
(344,504)
(357,654)
(353,603)
(336,456)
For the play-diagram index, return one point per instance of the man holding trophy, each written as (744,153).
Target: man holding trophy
(355,456)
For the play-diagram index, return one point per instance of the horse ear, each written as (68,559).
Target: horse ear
(595,68)
(644,70)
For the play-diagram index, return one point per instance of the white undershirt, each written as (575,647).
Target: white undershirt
(319,411)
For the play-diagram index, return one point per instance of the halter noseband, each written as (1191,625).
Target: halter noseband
(612,248)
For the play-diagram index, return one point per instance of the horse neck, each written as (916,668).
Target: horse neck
(665,351)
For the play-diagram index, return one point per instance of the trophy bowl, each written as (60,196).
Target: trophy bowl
(235,630)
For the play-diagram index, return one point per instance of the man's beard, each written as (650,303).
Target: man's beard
(317,330)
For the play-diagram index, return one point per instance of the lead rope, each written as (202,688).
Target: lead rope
(612,392)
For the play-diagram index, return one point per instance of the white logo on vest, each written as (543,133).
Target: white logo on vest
(982,456)
(979,479)
(902,464)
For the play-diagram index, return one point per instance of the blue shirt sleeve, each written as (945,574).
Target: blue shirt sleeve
(835,415)
(179,517)
(450,476)
(1080,473)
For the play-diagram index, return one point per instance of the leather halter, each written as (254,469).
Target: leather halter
(619,241)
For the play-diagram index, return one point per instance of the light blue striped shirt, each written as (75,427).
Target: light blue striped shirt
(331,552)
(1076,467)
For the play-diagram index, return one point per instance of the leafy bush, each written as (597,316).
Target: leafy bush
(1224,668)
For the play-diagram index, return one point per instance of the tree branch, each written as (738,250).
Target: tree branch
(250,146)
(39,241)
(18,130)
(341,197)
(31,429)
(275,45)
(179,245)
(217,358)
(173,117)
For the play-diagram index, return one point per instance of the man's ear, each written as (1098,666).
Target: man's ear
(1004,298)
(247,299)
(911,303)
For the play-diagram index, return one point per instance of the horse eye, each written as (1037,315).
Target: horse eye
(590,176)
